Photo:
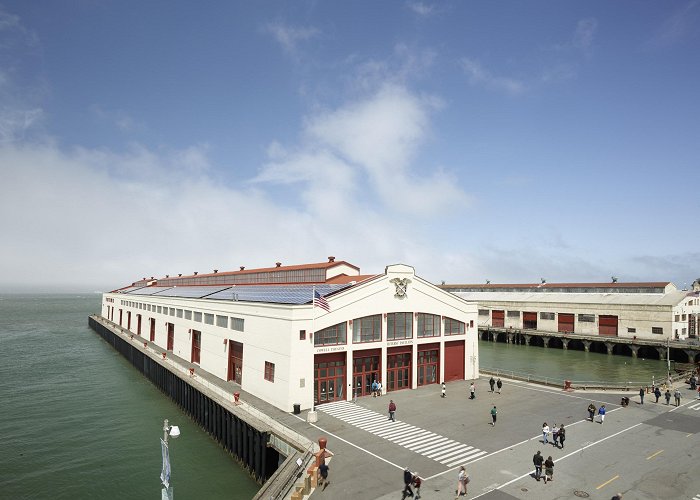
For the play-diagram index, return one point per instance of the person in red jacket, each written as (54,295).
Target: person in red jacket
(392,410)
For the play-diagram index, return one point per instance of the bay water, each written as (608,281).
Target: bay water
(78,421)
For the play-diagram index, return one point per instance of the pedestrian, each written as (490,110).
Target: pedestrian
(601,413)
(677,396)
(493,416)
(461,482)
(657,394)
(407,480)
(641,395)
(618,496)
(492,383)
(416,484)
(555,434)
(537,460)
(379,388)
(699,392)
(472,391)
(562,436)
(548,470)
(392,410)
(667,395)
(591,411)
(374,389)
(545,433)
(444,389)
(323,472)
(499,384)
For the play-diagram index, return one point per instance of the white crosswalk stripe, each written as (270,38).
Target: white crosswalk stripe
(695,406)
(439,448)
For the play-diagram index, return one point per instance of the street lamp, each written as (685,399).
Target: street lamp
(168,431)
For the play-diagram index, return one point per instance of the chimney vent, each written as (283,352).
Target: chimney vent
(216,271)
(179,274)
(152,277)
(278,264)
(167,276)
(242,268)
(195,273)
(331,259)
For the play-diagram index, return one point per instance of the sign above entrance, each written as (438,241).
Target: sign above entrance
(401,285)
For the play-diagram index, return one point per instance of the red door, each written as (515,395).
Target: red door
(454,360)
(607,325)
(428,364)
(153,329)
(366,368)
(138,324)
(530,320)
(398,368)
(235,361)
(120,317)
(196,346)
(128,320)
(566,323)
(329,377)
(497,319)
(171,336)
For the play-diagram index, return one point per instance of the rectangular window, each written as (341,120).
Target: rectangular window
(188,314)
(483,312)
(237,324)
(159,309)
(222,321)
(549,316)
(513,314)
(367,329)
(302,334)
(198,316)
(683,317)
(428,325)
(179,313)
(657,330)
(172,311)
(196,345)
(677,318)
(453,327)
(631,330)
(209,318)
(586,318)
(399,326)
(333,335)
(269,371)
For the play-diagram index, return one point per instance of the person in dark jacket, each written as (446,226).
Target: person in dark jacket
(657,394)
(392,410)
(407,480)
(562,436)
(537,460)
(492,383)
(591,411)
(641,395)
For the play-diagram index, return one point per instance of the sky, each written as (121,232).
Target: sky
(505,141)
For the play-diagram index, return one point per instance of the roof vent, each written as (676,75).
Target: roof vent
(167,276)
(216,271)
(278,264)
(196,273)
(242,268)
(543,280)
(152,278)
(614,279)
(331,259)
(179,274)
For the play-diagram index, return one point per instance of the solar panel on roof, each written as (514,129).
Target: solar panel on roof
(276,294)
(149,290)
(191,292)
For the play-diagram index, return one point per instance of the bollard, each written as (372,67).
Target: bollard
(164,355)
(236,395)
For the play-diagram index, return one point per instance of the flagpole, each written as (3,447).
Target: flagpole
(313,332)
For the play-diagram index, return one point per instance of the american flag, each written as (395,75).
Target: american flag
(321,302)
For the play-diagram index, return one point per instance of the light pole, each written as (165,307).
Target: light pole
(168,431)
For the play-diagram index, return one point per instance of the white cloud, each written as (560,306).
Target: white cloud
(478,75)
(289,37)
(680,24)
(584,34)
(421,8)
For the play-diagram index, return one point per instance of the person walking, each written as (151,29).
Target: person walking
(591,411)
(667,395)
(407,480)
(461,482)
(562,436)
(492,383)
(548,470)
(444,390)
(677,396)
(493,416)
(555,434)
(545,433)
(499,384)
(641,395)
(601,413)
(537,460)
(657,394)
(417,481)
(472,391)
(379,388)
(374,388)
(392,410)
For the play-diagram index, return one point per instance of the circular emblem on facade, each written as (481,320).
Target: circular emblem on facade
(401,285)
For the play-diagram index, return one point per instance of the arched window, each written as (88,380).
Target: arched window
(367,329)
(333,335)
(453,327)
(399,326)
(428,325)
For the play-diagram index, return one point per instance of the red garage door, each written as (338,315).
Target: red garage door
(498,319)
(530,320)
(454,360)
(607,325)
(566,323)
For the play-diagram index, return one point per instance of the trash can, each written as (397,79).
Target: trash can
(297,408)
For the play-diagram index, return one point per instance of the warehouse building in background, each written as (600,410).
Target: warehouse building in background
(306,334)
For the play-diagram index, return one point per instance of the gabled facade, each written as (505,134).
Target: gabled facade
(269,337)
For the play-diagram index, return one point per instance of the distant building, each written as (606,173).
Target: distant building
(260,329)
(656,311)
